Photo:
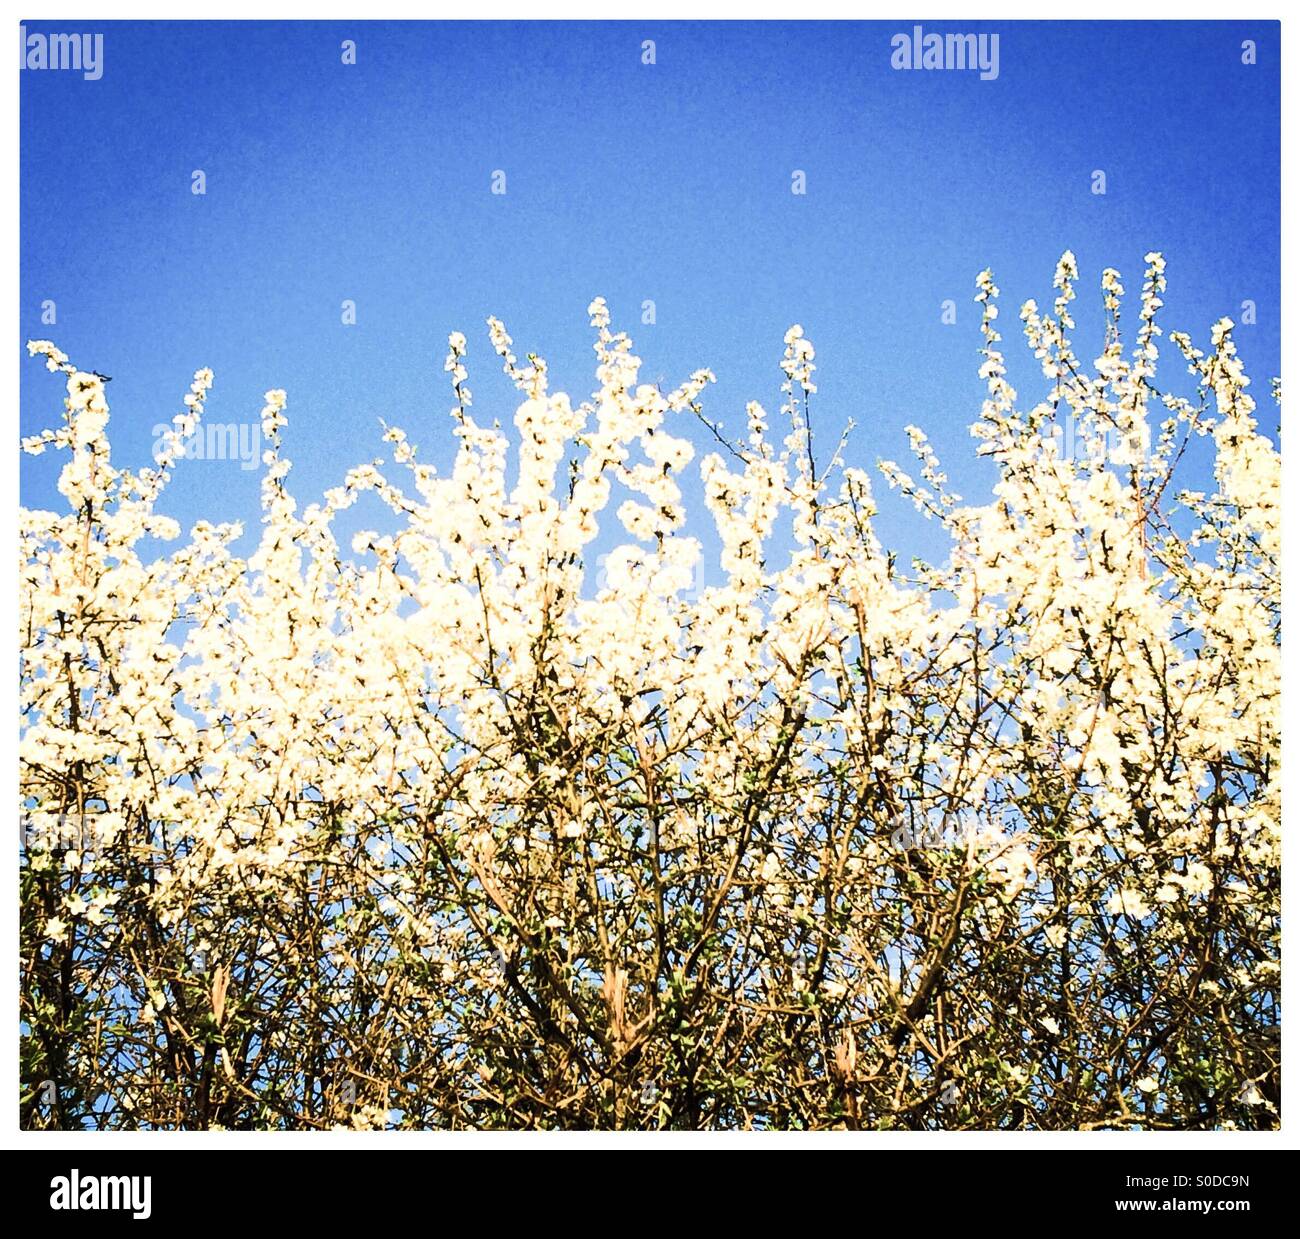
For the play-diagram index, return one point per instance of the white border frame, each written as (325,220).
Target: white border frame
(664,10)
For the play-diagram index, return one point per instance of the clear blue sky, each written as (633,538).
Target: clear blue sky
(668,182)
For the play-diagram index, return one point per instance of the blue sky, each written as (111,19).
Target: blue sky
(669,182)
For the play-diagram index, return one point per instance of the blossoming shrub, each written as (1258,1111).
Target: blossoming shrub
(437,831)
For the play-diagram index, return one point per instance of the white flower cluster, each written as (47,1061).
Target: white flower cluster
(453,791)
